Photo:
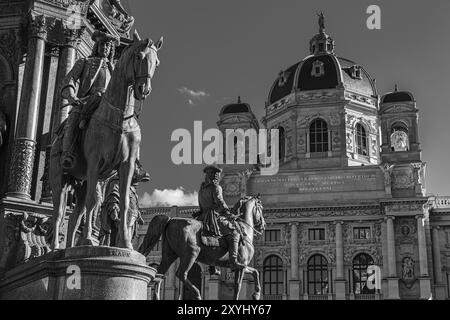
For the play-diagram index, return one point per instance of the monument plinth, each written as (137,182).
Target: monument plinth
(80,273)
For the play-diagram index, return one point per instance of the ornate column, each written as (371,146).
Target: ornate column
(294,284)
(424,279)
(25,142)
(393,292)
(66,60)
(439,286)
(294,135)
(437,256)
(65,63)
(340,279)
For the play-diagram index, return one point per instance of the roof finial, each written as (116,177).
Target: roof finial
(239,99)
(321,22)
(396,88)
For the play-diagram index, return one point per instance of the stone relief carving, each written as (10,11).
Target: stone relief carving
(408,275)
(403,179)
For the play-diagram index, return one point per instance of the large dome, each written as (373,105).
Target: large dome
(319,72)
(322,70)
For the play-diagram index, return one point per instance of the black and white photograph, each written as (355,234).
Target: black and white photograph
(263,153)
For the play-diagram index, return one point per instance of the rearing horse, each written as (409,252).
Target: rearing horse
(181,238)
(111,142)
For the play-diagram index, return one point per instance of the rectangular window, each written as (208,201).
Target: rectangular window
(361,233)
(316,234)
(272,235)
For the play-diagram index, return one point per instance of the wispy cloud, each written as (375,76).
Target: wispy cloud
(193,95)
(169,197)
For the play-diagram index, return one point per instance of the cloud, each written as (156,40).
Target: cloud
(193,95)
(168,198)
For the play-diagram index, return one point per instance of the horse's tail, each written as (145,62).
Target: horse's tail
(155,229)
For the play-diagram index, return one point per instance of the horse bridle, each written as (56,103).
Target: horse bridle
(140,76)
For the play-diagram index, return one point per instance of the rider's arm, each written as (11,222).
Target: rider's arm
(218,199)
(71,81)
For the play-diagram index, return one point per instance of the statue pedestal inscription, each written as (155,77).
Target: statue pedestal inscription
(80,273)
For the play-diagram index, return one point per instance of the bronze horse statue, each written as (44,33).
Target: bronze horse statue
(110,144)
(181,238)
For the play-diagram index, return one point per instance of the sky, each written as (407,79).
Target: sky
(215,51)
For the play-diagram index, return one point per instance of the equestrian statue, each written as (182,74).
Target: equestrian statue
(101,136)
(217,237)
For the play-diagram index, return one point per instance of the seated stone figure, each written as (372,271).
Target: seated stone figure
(109,212)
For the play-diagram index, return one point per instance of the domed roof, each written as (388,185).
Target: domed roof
(238,107)
(322,70)
(397,96)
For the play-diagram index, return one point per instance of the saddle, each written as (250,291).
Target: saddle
(212,240)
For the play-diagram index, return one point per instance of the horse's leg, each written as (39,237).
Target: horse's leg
(186,264)
(77,215)
(257,294)
(126,171)
(238,277)
(168,257)
(59,195)
(91,203)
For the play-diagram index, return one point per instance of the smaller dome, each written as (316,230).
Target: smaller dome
(238,107)
(397,96)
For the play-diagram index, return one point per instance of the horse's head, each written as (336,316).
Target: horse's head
(258,217)
(254,206)
(144,59)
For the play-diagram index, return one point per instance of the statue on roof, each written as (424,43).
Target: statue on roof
(321,21)
(118,15)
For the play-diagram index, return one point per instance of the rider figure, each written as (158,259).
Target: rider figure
(216,215)
(83,87)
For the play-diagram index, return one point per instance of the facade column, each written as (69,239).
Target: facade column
(424,279)
(393,290)
(437,256)
(294,284)
(22,163)
(439,286)
(294,135)
(66,60)
(340,282)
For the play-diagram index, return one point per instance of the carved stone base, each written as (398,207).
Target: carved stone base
(81,273)
(393,290)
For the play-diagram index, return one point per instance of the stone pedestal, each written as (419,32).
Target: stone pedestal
(440,292)
(425,288)
(393,291)
(294,290)
(213,284)
(81,273)
(339,287)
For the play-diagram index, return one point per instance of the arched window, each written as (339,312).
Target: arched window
(318,136)
(360,264)
(281,143)
(361,140)
(273,276)
(317,275)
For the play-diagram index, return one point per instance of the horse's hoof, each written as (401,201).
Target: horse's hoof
(87,242)
(125,245)
(256,296)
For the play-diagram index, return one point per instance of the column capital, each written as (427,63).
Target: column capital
(419,216)
(338,222)
(73,36)
(38,25)
(389,218)
(436,227)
